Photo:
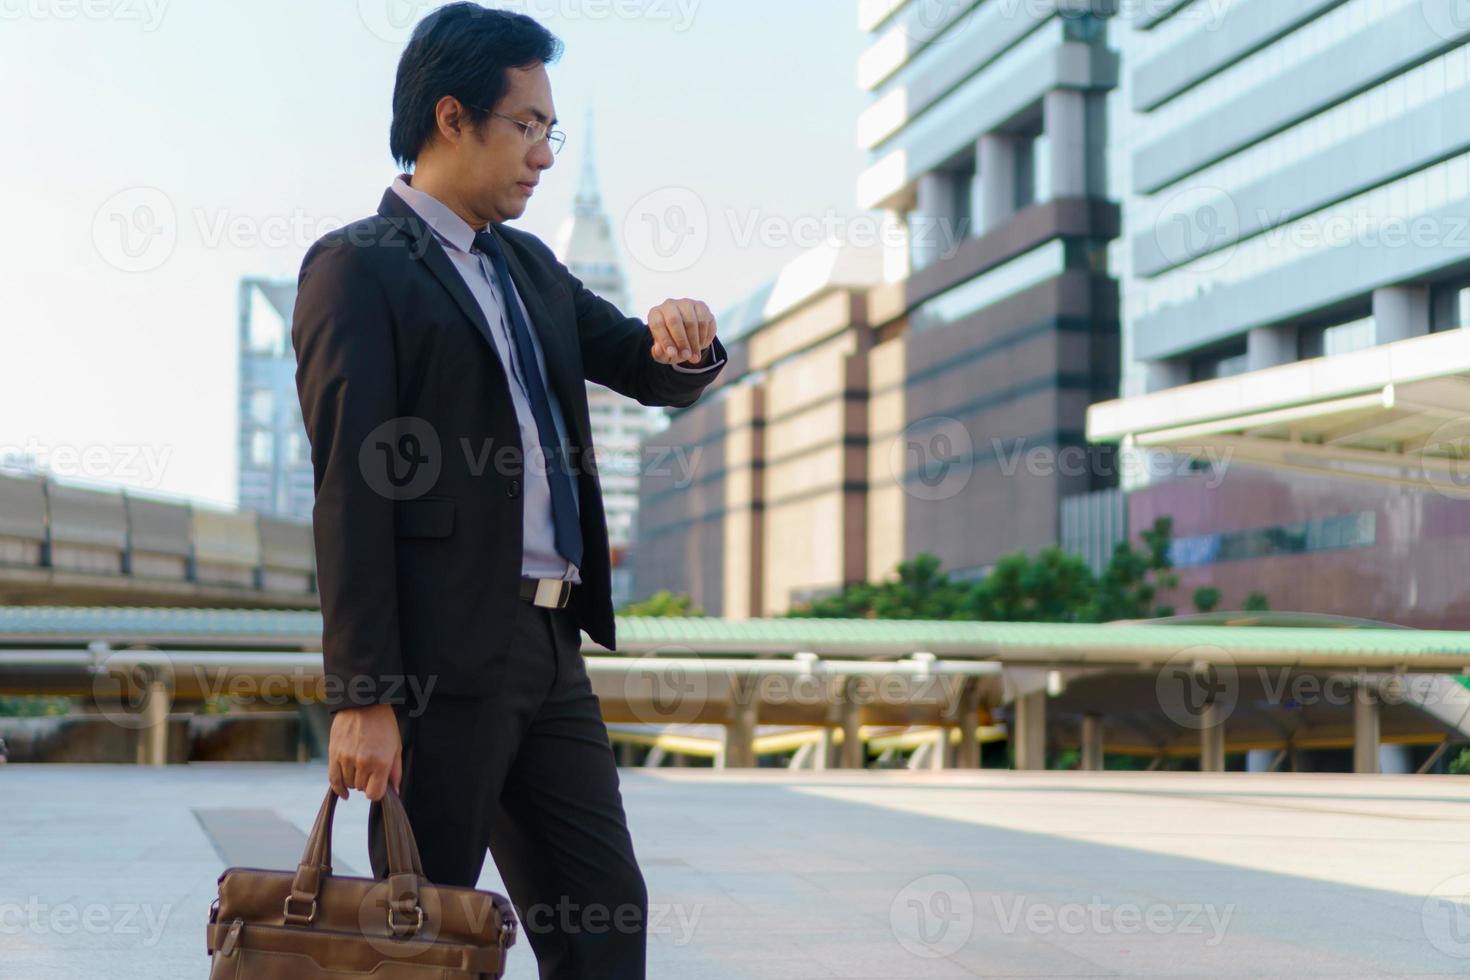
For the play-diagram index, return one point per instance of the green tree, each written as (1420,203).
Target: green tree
(663,603)
(920,591)
(1256,602)
(1206,598)
(1051,587)
(1047,589)
(1127,587)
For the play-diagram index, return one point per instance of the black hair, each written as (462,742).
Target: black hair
(462,50)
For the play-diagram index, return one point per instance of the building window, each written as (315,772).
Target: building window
(261,405)
(1324,340)
(1358,530)
(261,446)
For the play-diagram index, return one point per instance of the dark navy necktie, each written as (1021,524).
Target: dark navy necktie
(563,503)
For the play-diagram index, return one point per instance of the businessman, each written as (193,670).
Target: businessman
(460,537)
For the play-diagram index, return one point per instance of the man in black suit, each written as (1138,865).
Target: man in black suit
(460,538)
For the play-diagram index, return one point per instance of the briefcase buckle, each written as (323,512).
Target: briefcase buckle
(396,927)
(289,915)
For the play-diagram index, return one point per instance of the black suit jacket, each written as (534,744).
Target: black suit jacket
(416,451)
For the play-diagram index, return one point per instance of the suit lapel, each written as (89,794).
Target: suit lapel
(426,248)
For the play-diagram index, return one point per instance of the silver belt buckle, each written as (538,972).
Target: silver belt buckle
(549,592)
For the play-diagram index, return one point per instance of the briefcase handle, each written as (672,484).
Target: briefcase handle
(405,868)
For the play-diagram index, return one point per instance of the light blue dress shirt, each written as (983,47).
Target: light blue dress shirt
(540,558)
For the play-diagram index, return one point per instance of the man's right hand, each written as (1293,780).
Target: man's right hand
(364,751)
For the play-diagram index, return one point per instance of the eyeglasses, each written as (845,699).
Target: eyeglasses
(534,132)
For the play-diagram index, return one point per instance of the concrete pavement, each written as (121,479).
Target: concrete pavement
(107,871)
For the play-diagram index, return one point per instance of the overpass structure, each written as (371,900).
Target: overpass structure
(830,689)
(62,543)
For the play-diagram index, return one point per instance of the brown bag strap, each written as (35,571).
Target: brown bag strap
(405,867)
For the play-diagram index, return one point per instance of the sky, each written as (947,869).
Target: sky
(161,150)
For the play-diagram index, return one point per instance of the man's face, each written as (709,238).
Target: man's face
(500,169)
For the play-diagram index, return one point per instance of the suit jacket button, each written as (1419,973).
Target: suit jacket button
(513,488)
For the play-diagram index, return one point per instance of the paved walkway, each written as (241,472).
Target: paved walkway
(108,871)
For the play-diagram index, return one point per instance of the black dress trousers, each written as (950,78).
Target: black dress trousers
(528,773)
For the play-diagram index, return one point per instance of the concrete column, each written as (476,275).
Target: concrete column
(967,753)
(1064,118)
(1028,737)
(1444,312)
(1092,742)
(1166,374)
(1400,312)
(896,245)
(854,753)
(153,736)
(1365,730)
(738,747)
(1212,738)
(994,197)
(1270,346)
(932,223)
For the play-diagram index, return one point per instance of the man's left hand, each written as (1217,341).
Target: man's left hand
(681,329)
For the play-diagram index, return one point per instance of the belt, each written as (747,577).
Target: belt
(553,592)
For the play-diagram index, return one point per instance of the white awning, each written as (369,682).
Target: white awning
(1397,413)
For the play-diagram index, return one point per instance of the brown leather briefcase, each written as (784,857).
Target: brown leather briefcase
(312,924)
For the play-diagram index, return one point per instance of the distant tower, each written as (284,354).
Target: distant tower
(585,245)
(275,458)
